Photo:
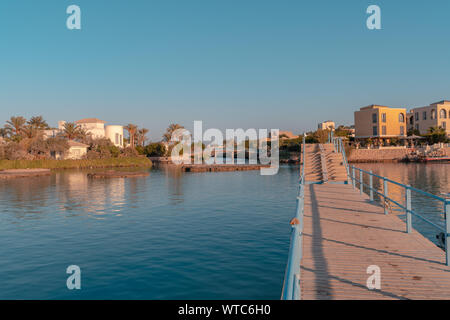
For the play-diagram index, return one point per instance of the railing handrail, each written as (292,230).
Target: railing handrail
(425,193)
(407,206)
(291,285)
(339,147)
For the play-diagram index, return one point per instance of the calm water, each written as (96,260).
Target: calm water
(433,178)
(170,235)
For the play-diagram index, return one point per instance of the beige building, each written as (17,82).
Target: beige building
(327,125)
(76,151)
(435,115)
(380,122)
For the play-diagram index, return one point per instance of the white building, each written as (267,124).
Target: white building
(115,134)
(97,129)
(327,125)
(94,126)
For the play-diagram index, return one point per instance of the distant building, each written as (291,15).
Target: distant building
(435,115)
(76,151)
(96,128)
(380,122)
(327,125)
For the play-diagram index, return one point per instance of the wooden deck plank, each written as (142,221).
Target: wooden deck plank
(344,234)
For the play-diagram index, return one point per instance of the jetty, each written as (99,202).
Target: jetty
(117,174)
(23,173)
(347,243)
(221,167)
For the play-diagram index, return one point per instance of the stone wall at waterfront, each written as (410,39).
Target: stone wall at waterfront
(378,155)
(447,151)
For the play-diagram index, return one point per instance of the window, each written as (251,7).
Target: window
(444,125)
(374,118)
(375,131)
(401,117)
(417,126)
(402,130)
(383,117)
(417,116)
(383,130)
(117,138)
(411,120)
(433,114)
(443,114)
(424,115)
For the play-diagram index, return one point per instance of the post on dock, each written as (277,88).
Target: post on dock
(371,185)
(385,192)
(447,231)
(408,209)
(353,177)
(361,184)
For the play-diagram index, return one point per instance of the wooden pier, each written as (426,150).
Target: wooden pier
(344,233)
(339,232)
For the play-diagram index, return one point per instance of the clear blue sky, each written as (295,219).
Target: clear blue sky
(231,63)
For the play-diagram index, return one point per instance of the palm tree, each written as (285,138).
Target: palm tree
(31,132)
(141,135)
(83,135)
(38,122)
(132,129)
(15,125)
(170,130)
(71,130)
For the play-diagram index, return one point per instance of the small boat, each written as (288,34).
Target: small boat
(436,159)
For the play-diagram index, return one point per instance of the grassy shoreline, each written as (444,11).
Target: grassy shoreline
(75,164)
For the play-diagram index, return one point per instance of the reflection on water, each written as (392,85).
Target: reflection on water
(171,235)
(433,178)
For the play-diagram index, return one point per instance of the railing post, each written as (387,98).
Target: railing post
(361,185)
(447,231)
(385,192)
(408,209)
(353,177)
(371,185)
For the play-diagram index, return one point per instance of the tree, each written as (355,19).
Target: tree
(71,130)
(142,136)
(155,150)
(436,135)
(84,136)
(15,125)
(30,132)
(38,122)
(322,135)
(132,130)
(413,131)
(170,130)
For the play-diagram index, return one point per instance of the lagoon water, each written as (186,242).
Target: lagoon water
(432,177)
(171,235)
